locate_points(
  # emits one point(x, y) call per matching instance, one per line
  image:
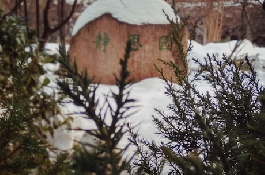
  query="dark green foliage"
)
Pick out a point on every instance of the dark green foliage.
point(148, 159)
point(212, 133)
point(22, 145)
point(208, 132)
point(105, 156)
point(218, 132)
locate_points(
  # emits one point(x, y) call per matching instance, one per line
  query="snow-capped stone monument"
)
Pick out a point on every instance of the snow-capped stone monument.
point(102, 30)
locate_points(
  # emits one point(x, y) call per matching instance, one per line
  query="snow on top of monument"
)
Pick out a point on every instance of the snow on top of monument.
point(129, 11)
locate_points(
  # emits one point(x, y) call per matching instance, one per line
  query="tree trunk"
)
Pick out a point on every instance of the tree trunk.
point(61, 17)
point(44, 38)
point(1, 7)
point(37, 19)
point(16, 7)
point(48, 30)
point(26, 14)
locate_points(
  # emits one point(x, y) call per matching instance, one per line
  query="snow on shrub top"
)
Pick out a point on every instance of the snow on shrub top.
point(135, 12)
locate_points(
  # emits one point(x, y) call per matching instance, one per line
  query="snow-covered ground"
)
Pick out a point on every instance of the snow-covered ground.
point(149, 93)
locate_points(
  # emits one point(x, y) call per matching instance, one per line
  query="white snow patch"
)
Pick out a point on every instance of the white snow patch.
point(150, 94)
point(71, 2)
point(255, 54)
point(84, 2)
point(215, 4)
point(129, 11)
point(53, 48)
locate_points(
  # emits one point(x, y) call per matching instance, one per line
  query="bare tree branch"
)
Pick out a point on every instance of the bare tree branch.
point(48, 30)
point(67, 19)
point(45, 15)
point(14, 9)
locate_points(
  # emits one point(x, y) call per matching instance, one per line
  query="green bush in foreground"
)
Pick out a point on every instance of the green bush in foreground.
point(218, 132)
point(104, 156)
point(23, 146)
